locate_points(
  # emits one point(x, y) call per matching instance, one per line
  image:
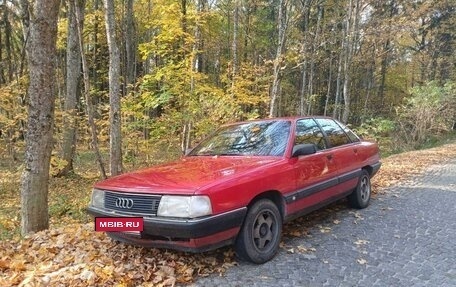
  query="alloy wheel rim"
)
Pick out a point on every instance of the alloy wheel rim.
point(365, 189)
point(264, 230)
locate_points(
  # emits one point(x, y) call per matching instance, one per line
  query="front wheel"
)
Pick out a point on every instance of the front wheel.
point(259, 238)
point(360, 197)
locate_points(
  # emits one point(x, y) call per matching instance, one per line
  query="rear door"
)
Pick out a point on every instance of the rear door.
point(345, 151)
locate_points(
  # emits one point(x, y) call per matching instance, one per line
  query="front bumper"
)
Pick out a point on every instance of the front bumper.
point(183, 234)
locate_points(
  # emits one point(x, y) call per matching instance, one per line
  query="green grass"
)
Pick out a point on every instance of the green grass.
point(438, 141)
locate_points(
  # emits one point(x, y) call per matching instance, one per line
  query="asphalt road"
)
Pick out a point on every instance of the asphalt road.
point(406, 237)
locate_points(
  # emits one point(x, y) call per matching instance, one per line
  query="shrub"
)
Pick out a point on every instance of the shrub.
point(429, 112)
point(381, 130)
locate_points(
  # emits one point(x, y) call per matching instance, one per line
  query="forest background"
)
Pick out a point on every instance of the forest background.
point(137, 82)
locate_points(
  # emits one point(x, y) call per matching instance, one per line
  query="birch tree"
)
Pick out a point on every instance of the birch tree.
point(89, 105)
point(130, 46)
point(282, 24)
point(234, 45)
point(351, 24)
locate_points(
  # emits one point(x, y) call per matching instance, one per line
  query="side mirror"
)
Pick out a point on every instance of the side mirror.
point(304, 149)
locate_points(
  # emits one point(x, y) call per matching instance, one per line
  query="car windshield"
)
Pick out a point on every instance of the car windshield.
point(268, 138)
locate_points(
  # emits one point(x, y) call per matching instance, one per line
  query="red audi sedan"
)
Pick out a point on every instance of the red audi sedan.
point(239, 186)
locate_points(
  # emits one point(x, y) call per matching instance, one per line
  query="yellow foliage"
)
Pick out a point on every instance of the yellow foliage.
point(13, 117)
point(62, 33)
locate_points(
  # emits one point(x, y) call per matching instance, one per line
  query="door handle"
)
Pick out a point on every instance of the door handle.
point(329, 156)
point(355, 150)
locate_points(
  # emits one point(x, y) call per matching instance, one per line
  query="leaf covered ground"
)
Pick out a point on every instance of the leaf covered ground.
point(71, 253)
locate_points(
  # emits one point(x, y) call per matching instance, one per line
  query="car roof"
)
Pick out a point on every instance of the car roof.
point(291, 118)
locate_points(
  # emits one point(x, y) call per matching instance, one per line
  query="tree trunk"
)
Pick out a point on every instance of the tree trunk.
point(350, 41)
point(234, 45)
point(383, 71)
point(130, 46)
point(199, 41)
point(41, 56)
point(315, 45)
point(328, 91)
point(370, 82)
point(303, 101)
point(302, 92)
point(336, 110)
point(346, 51)
point(196, 67)
point(73, 77)
point(89, 105)
point(248, 8)
point(282, 22)
point(148, 63)
point(2, 76)
point(197, 62)
point(96, 64)
point(25, 19)
point(386, 52)
point(8, 39)
point(115, 142)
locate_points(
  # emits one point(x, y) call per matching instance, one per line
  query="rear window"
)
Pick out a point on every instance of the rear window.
point(336, 136)
point(353, 137)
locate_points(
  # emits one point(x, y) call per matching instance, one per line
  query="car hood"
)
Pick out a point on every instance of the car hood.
point(186, 175)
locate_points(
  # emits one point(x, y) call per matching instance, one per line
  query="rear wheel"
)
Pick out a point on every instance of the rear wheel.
point(360, 197)
point(260, 235)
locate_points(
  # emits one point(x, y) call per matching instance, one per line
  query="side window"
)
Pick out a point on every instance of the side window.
point(336, 135)
point(308, 132)
point(354, 138)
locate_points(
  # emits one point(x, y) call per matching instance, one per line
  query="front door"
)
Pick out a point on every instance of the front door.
point(316, 174)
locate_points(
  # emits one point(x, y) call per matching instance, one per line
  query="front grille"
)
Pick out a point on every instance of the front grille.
point(137, 203)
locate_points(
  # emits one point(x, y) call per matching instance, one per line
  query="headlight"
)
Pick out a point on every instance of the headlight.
point(98, 198)
point(184, 206)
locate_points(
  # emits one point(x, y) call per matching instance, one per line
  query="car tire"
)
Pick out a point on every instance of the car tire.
point(360, 197)
point(259, 238)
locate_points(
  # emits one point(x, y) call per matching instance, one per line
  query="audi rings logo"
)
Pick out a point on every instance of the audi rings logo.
point(126, 203)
